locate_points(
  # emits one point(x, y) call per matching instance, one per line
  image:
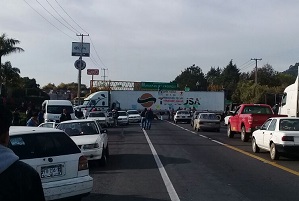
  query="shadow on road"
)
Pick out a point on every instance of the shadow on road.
point(107, 197)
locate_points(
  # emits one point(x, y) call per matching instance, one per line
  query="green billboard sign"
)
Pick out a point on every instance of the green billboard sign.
point(159, 86)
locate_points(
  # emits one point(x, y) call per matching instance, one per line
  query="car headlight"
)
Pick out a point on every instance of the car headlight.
point(91, 146)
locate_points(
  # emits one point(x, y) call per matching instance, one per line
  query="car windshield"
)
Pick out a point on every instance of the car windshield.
point(57, 109)
point(79, 128)
point(96, 114)
point(289, 125)
point(133, 112)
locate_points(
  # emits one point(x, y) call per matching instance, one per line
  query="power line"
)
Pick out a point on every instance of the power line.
point(62, 17)
point(96, 52)
point(48, 20)
point(246, 66)
point(70, 17)
point(54, 16)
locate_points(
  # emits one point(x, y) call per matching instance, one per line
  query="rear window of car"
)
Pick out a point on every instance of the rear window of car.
point(39, 145)
point(257, 109)
point(122, 113)
point(133, 112)
point(79, 128)
point(98, 114)
point(209, 116)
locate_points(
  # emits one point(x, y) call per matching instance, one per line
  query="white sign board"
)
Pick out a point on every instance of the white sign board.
point(76, 49)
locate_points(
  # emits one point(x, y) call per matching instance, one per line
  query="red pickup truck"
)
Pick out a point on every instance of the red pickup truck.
point(246, 117)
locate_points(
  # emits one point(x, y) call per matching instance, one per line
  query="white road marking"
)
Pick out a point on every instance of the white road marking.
point(170, 189)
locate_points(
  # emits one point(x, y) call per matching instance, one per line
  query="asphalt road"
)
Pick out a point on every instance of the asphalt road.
point(194, 166)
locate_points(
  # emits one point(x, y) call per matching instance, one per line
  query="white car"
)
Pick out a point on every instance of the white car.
point(182, 116)
point(101, 116)
point(89, 136)
point(62, 167)
point(48, 125)
point(123, 117)
point(279, 135)
point(134, 116)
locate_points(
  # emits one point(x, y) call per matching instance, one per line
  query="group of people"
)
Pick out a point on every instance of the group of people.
point(147, 116)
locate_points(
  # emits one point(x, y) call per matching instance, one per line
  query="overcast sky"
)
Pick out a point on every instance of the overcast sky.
point(149, 40)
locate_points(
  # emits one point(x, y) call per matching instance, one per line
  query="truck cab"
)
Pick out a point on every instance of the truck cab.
point(289, 101)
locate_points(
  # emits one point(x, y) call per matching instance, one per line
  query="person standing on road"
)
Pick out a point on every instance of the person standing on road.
point(19, 181)
point(149, 116)
point(115, 117)
point(33, 121)
point(143, 119)
point(65, 116)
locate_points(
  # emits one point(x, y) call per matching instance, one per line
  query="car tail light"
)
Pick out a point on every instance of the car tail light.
point(250, 119)
point(287, 138)
point(83, 163)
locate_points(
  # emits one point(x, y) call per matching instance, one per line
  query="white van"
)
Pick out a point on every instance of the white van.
point(53, 109)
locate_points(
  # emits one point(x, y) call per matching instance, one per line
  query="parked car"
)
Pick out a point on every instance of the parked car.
point(207, 121)
point(182, 116)
point(123, 117)
point(278, 135)
point(134, 116)
point(194, 116)
point(48, 125)
point(89, 136)
point(62, 167)
point(101, 116)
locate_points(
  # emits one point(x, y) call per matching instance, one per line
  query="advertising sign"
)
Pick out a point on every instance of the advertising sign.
point(159, 86)
point(76, 49)
point(92, 71)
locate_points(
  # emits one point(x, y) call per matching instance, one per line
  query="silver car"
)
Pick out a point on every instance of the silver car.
point(207, 121)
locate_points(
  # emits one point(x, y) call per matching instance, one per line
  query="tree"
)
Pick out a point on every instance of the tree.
point(8, 46)
point(230, 78)
point(192, 77)
point(10, 75)
point(266, 75)
point(213, 79)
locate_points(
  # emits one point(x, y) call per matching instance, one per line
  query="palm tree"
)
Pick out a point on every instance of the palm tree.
point(10, 75)
point(7, 46)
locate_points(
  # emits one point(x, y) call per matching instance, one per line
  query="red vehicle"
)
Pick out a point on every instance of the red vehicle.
point(247, 117)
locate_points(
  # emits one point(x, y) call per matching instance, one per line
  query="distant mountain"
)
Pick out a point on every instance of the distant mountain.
point(293, 70)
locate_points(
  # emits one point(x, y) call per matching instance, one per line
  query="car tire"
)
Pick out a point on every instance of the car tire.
point(244, 135)
point(255, 148)
point(230, 133)
point(273, 152)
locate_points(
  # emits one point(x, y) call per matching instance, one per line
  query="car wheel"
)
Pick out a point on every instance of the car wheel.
point(273, 152)
point(103, 160)
point(244, 135)
point(230, 134)
point(255, 148)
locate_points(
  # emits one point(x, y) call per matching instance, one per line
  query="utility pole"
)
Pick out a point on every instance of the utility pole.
point(79, 69)
point(255, 80)
point(104, 76)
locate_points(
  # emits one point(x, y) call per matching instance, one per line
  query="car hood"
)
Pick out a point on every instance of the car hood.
point(134, 115)
point(85, 139)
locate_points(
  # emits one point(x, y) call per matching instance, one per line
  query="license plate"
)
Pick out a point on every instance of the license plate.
point(51, 171)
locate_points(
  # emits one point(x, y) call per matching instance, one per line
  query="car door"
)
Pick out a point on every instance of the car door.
point(234, 120)
point(259, 134)
point(269, 133)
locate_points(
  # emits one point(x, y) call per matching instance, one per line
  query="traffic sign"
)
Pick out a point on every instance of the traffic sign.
point(80, 64)
point(76, 49)
point(92, 71)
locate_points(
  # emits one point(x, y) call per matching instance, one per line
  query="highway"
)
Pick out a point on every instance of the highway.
point(172, 162)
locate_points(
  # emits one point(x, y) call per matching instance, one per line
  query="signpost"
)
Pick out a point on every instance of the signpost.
point(92, 72)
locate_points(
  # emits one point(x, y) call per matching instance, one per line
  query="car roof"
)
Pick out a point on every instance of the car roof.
point(16, 130)
point(77, 120)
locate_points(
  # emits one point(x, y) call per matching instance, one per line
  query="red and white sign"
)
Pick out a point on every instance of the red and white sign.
point(92, 71)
